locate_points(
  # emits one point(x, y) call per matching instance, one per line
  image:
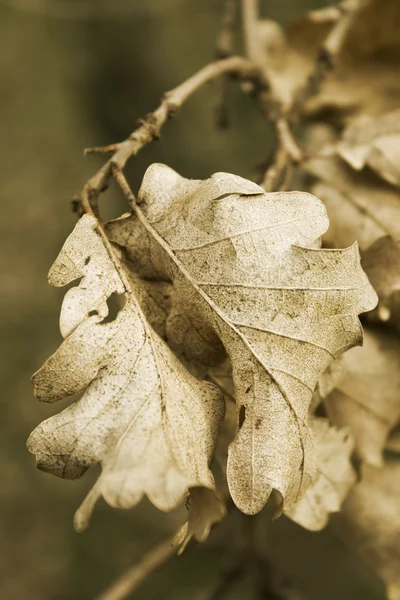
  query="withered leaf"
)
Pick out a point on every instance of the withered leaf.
point(381, 262)
point(367, 399)
point(365, 208)
point(370, 523)
point(247, 273)
point(335, 477)
point(328, 381)
point(360, 206)
point(205, 508)
point(374, 141)
point(151, 425)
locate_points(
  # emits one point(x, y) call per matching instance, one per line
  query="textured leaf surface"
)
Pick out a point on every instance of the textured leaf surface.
point(367, 399)
point(335, 477)
point(150, 424)
point(247, 273)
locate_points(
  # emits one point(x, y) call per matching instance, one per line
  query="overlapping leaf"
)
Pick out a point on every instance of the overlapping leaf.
point(363, 207)
point(360, 206)
point(151, 425)
point(374, 141)
point(367, 400)
point(382, 264)
point(204, 509)
point(247, 272)
point(334, 479)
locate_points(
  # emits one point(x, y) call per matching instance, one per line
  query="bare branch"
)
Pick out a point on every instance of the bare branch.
point(134, 576)
point(275, 171)
point(150, 127)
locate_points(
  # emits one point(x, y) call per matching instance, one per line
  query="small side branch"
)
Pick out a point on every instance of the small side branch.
point(131, 580)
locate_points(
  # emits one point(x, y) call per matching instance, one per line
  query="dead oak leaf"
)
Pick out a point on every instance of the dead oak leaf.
point(381, 262)
point(205, 508)
point(328, 381)
point(367, 400)
point(363, 207)
point(360, 207)
point(246, 271)
point(335, 477)
point(151, 425)
point(373, 141)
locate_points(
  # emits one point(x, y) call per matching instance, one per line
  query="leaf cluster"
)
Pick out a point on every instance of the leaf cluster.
point(228, 372)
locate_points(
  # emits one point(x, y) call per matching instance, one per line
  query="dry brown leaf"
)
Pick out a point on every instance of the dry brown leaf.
point(370, 523)
point(368, 398)
point(335, 477)
point(243, 274)
point(381, 262)
point(374, 141)
point(360, 206)
point(151, 425)
point(328, 381)
point(205, 508)
point(365, 75)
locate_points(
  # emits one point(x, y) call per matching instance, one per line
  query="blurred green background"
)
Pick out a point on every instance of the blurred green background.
point(72, 78)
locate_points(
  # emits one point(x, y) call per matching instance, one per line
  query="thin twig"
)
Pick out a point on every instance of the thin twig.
point(327, 56)
point(287, 153)
point(288, 147)
point(150, 127)
point(134, 576)
point(275, 171)
point(223, 49)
